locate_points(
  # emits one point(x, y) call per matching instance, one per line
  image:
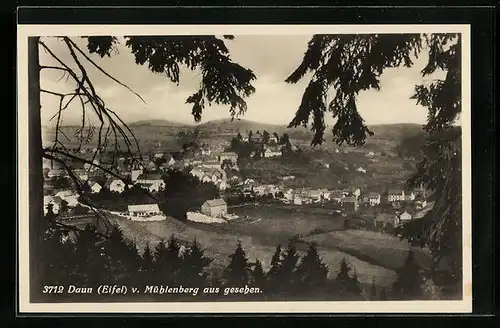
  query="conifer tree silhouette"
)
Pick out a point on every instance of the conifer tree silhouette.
point(237, 273)
point(311, 271)
point(408, 284)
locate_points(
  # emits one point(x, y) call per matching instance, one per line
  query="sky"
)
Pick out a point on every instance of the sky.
point(272, 59)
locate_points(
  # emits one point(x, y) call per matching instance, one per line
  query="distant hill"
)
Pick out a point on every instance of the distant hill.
point(158, 123)
point(164, 131)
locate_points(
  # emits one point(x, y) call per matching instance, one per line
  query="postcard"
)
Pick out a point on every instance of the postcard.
point(244, 169)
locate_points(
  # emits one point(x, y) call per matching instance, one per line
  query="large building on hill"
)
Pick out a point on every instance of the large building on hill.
point(231, 156)
point(214, 208)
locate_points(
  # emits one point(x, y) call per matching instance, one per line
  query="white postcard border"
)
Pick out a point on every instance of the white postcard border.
point(24, 31)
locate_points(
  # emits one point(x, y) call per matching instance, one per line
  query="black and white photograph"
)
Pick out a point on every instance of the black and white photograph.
point(244, 168)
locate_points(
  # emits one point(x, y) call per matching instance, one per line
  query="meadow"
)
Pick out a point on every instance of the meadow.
point(260, 238)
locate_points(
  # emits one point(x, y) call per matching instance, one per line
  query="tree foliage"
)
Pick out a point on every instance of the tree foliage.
point(345, 65)
point(237, 273)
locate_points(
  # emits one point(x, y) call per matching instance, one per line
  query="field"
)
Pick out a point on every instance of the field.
point(373, 255)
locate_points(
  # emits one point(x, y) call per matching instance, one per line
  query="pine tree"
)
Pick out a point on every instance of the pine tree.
point(258, 276)
point(345, 282)
point(408, 284)
point(122, 258)
point(192, 270)
point(265, 137)
point(312, 271)
point(237, 273)
point(274, 271)
point(287, 279)
point(147, 263)
point(90, 259)
point(167, 261)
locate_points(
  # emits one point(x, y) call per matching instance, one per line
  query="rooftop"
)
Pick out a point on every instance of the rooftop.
point(143, 208)
point(216, 202)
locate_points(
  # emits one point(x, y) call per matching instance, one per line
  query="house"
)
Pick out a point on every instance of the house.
point(385, 220)
point(272, 152)
point(95, 187)
point(315, 194)
point(288, 177)
point(297, 200)
point(356, 193)
point(149, 165)
point(360, 169)
point(349, 203)
point(403, 217)
point(214, 208)
point(420, 192)
point(337, 195)
point(260, 190)
point(55, 173)
point(153, 182)
point(395, 195)
point(231, 156)
point(55, 201)
point(115, 185)
point(158, 155)
point(326, 194)
point(409, 196)
point(424, 211)
point(222, 185)
point(134, 174)
point(374, 198)
point(143, 210)
point(206, 151)
point(69, 196)
point(211, 164)
point(273, 139)
point(257, 137)
point(420, 204)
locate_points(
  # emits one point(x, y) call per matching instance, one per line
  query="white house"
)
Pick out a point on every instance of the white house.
point(152, 182)
point(396, 195)
point(211, 164)
point(55, 173)
point(134, 174)
point(272, 152)
point(273, 139)
point(374, 198)
point(143, 210)
point(222, 185)
point(410, 196)
point(231, 156)
point(357, 192)
point(117, 185)
point(370, 154)
point(361, 170)
point(69, 196)
point(403, 217)
point(297, 200)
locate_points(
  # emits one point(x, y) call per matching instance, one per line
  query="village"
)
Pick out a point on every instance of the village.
point(218, 164)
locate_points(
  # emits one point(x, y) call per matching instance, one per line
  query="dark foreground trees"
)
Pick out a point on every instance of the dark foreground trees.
point(341, 66)
point(295, 273)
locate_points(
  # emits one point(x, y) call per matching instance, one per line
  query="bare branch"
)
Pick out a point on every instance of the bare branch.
point(102, 70)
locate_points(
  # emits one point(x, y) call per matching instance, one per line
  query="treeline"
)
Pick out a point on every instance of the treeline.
point(88, 260)
point(183, 193)
point(255, 143)
point(115, 201)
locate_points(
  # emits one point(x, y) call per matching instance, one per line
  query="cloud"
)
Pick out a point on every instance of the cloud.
point(272, 58)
